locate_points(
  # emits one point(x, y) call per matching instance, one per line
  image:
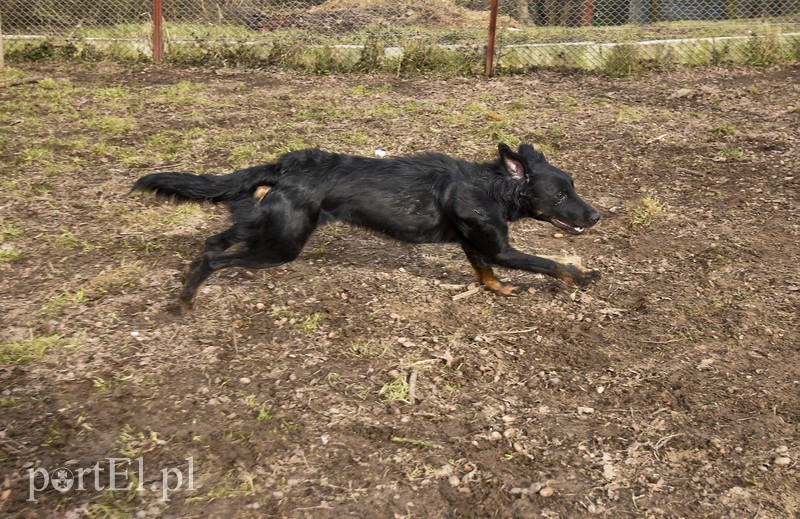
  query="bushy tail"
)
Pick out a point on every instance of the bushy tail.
point(214, 188)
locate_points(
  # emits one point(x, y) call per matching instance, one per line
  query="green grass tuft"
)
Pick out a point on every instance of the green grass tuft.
point(26, 350)
point(647, 211)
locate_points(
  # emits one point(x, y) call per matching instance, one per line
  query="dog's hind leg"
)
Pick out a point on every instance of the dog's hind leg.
point(222, 240)
point(485, 274)
point(275, 237)
point(257, 255)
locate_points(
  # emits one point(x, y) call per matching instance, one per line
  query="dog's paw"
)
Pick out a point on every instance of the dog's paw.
point(186, 299)
point(577, 276)
point(588, 276)
point(507, 290)
point(175, 309)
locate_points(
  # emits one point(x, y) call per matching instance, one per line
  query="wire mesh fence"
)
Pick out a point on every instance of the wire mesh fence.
point(620, 36)
point(614, 36)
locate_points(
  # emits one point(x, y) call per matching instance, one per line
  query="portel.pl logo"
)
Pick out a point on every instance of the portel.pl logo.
point(115, 474)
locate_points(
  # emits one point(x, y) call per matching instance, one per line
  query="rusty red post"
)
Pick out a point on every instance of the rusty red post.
point(158, 32)
point(492, 34)
point(588, 13)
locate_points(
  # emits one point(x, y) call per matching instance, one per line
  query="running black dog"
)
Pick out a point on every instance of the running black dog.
point(428, 198)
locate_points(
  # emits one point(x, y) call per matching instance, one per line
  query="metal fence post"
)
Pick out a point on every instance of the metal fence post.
point(492, 34)
point(588, 13)
point(158, 32)
point(2, 56)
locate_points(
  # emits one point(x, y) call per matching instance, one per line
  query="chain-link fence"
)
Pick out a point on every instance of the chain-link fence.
point(613, 36)
point(620, 36)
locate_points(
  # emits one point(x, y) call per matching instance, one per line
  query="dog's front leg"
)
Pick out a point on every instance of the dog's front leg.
point(486, 243)
point(485, 274)
point(577, 276)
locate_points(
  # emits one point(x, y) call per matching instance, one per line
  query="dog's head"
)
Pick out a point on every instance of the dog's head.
point(545, 192)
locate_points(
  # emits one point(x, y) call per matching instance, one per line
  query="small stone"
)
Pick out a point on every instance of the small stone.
point(517, 491)
point(244, 380)
point(496, 436)
point(454, 481)
point(277, 494)
point(585, 410)
point(705, 364)
point(558, 235)
point(546, 491)
point(782, 461)
point(782, 449)
point(600, 390)
point(682, 92)
point(260, 306)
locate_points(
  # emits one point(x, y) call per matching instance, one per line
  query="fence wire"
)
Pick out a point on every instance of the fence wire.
point(619, 36)
point(615, 36)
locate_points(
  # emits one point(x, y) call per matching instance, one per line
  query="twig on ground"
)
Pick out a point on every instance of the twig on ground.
point(23, 81)
point(412, 386)
point(512, 332)
point(468, 293)
point(654, 139)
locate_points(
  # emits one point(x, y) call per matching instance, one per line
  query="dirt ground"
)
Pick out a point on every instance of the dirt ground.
point(669, 389)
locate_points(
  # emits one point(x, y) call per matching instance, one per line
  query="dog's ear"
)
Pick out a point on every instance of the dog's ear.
point(530, 153)
point(514, 162)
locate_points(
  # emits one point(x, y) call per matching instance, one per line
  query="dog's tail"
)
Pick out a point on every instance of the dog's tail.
point(213, 188)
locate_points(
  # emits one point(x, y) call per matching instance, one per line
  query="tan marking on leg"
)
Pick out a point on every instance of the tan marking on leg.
point(576, 276)
point(566, 277)
point(487, 278)
point(261, 192)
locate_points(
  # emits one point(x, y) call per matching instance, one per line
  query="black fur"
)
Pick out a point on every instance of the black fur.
point(428, 198)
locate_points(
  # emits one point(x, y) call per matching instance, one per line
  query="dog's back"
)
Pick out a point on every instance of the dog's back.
point(404, 197)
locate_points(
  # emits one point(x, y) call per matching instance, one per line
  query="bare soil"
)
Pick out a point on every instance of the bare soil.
point(669, 389)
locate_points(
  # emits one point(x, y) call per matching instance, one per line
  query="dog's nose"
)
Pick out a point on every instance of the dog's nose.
point(594, 218)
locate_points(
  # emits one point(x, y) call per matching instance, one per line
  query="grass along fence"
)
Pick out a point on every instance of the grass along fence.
point(422, 55)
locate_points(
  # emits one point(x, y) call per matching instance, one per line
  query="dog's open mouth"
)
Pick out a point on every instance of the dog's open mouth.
point(561, 224)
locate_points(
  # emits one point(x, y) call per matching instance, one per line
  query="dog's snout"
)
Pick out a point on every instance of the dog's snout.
point(594, 217)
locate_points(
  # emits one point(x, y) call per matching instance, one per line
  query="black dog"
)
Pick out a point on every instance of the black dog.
point(429, 198)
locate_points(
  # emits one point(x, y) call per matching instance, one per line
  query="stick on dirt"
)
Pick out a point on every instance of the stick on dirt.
point(412, 386)
point(18, 82)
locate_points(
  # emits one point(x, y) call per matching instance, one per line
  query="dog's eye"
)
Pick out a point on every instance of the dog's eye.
point(560, 197)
